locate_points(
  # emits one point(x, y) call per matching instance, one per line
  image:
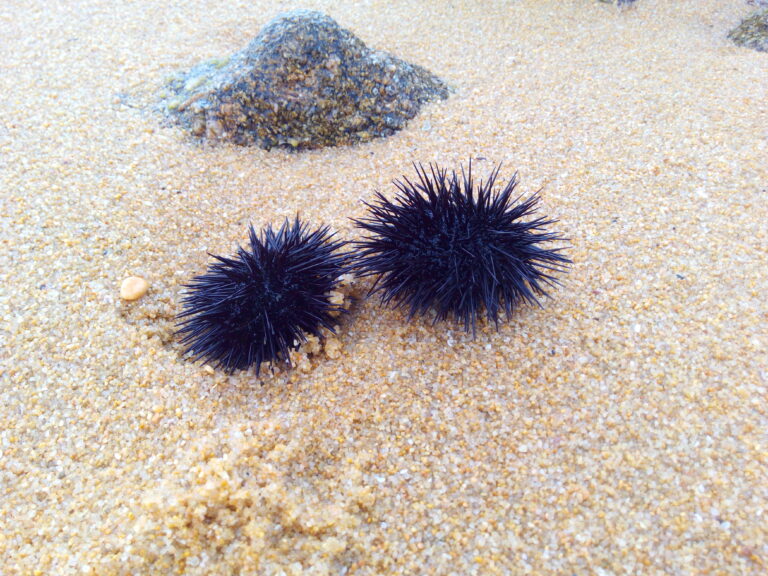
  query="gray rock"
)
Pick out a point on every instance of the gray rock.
point(303, 82)
point(752, 32)
point(617, 2)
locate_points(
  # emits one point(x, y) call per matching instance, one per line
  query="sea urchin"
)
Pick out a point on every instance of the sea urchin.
point(448, 244)
point(256, 306)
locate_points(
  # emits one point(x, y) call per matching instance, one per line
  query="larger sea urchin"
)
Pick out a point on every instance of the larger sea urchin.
point(449, 244)
point(256, 306)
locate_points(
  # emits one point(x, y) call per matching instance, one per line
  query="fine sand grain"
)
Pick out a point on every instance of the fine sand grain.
point(622, 429)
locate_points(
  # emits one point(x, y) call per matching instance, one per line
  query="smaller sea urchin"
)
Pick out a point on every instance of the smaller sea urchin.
point(256, 306)
point(448, 244)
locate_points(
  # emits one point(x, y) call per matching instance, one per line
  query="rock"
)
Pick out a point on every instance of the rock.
point(303, 82)
point(752, 32)
point(617, 2)
point(133, 288)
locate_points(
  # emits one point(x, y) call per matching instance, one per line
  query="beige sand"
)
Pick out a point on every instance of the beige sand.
point(621, 430)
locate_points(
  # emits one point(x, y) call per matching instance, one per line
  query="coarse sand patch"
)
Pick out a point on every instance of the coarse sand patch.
point(621, 429)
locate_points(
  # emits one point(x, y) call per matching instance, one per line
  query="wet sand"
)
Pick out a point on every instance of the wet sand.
point(619, 430)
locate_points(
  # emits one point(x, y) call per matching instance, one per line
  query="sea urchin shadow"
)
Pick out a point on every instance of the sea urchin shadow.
point(256, 306)
point(450, 244)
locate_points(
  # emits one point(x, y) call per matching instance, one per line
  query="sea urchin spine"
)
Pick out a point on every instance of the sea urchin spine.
point(446, 243)
point(256, 306)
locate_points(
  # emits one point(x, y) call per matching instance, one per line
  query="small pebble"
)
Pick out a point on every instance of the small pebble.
point(133, 288)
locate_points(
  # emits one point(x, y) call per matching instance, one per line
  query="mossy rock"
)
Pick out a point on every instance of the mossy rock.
point(752, 32)
point(303, 82)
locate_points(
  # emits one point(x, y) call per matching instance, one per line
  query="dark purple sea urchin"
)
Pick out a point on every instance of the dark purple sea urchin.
point(256, 306)
point(449, 244)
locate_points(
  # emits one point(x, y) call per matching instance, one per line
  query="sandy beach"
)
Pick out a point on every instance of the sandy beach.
point(621, 429)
